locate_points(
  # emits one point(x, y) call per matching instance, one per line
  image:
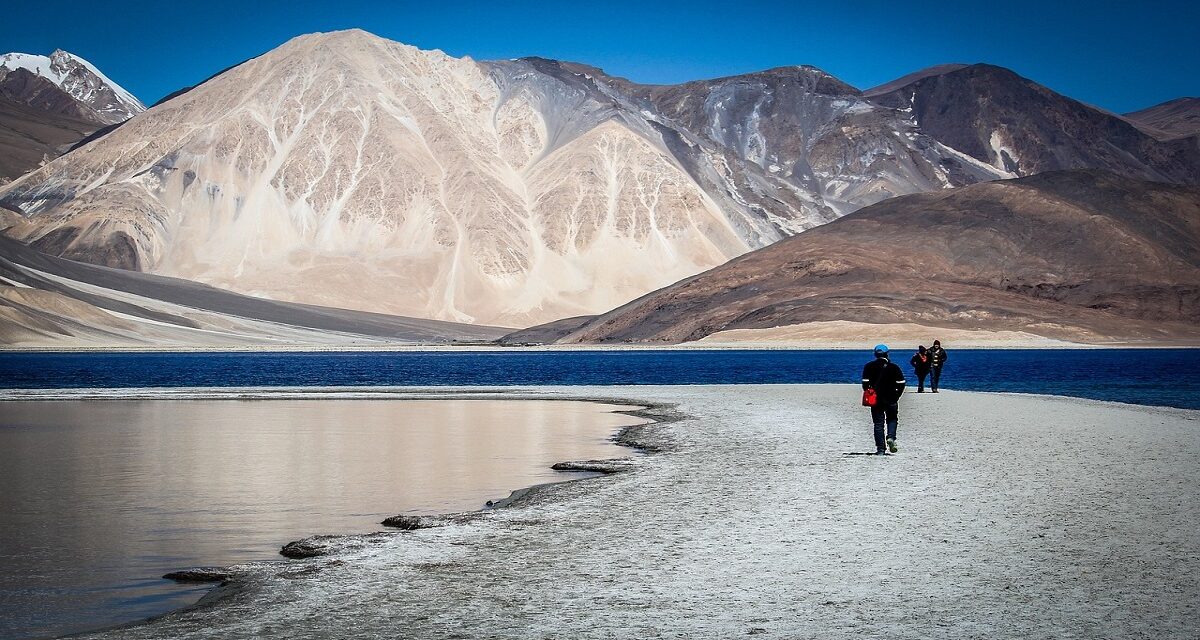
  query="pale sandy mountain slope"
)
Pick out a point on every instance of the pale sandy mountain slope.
point(51, 302)
point(351, 171)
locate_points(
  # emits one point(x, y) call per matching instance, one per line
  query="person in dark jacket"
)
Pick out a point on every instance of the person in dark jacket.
point(920, 365)
point(937, 359)
point(887, 380)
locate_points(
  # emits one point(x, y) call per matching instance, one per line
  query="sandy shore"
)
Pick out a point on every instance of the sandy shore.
point(842, 334)
point(1002, 516)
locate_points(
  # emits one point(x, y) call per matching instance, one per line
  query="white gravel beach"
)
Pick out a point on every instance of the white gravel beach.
point(1001, 516)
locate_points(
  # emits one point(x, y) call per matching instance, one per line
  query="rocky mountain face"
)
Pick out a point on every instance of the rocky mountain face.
point(1076, 255)
point(83, 91)
point(346, 170)
point(50, 103)
point(791, 139)
point(1178, 118)
point(26, 88)
point(1015, 125)
point(30, 136)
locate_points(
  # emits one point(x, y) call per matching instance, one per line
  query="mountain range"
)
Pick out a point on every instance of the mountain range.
point(1075, 255)
point(348, 171)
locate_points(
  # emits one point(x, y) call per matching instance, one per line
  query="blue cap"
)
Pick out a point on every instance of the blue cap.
point(880, 348)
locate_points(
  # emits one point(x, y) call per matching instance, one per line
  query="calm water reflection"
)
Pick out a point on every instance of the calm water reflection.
point(100, 498)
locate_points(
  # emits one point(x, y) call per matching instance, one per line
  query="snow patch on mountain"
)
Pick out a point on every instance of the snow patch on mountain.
point(35, 64)
point(1004, 158)
point(80, 79)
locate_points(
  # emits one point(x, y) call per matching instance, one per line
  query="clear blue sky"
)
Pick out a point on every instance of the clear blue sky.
point(1114, 55)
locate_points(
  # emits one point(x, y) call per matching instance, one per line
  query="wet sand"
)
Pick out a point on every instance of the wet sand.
point(1002, 516)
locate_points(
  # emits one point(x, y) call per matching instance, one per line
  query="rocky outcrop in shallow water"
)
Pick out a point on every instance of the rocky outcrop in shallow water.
point(200, 574)
point(616, 465)
point(316, 546)
point(412, 522)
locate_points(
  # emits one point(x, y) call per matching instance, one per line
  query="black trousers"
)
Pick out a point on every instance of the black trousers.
point(935, 374)
point(878, 413)
point(921, 375)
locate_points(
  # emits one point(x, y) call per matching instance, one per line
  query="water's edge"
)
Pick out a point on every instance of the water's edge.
point(645, 438)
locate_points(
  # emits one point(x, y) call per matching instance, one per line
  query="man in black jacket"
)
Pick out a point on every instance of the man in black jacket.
point(887, 380)
point(920, 365)
point(937, 358)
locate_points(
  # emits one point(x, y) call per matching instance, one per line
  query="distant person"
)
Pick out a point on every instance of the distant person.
point(937, 359)
point(887, 381)
point(920, 365)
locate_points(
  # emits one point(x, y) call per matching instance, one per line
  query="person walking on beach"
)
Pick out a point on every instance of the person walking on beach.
point(937, 359)
point(920, 365)
point(887, 381)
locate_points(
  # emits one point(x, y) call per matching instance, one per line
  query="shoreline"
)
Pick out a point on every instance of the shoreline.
point(274, 349)
point(650, 436)
point(453, 392)
point(635, 437)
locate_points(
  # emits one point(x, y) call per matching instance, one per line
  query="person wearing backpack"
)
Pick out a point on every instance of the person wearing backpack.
point(883, 384)
point(920, 365)
point(937, 359)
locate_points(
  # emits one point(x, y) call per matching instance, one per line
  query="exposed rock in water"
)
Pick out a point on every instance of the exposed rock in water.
point(307, 548)
point(412, 523)
point(615, 465)
point(315, 546)
point(200, 574)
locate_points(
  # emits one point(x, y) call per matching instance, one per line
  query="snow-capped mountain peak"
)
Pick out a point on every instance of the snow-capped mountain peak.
point(80, 79)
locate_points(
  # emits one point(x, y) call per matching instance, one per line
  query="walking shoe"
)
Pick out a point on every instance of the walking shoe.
point(935, 390)
point(920, 391)
point(891, 443)
point(881, 452)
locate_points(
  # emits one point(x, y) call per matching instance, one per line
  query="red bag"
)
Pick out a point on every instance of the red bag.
point(869, 399)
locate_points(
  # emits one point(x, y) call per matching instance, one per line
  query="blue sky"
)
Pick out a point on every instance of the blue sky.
point(1119, 57)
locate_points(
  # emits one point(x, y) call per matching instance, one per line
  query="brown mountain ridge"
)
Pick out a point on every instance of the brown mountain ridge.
point(1076, 255)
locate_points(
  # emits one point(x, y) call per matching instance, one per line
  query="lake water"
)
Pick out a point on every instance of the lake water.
point(99, 499)
point(1139, 376)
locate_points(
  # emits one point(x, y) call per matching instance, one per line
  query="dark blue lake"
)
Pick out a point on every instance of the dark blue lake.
point(1140, 376)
